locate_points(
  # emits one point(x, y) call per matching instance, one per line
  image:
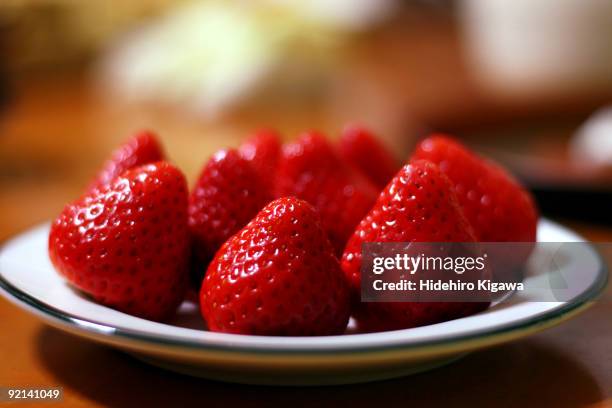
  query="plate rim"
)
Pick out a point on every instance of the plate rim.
point(102, 331)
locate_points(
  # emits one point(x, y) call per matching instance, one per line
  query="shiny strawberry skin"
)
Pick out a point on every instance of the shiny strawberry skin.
point(311, 170)
point(226, 196)
point(497, 206)
point(277, 276)
point(418, 205)
point(361, 149)
point(262, 150)
point(127, 244)
point(142, 148)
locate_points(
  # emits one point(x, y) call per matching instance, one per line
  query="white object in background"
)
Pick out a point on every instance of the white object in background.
point(209, 56)
point(592, 144)
point(543, 46)
point(204, 55)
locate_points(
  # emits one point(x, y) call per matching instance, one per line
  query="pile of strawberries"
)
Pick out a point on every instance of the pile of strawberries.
point(271, 234)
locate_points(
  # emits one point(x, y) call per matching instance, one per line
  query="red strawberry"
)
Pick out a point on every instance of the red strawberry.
point(142, 148)
point(360, 148)
point(499, 209)
point(418, 205)
point(127, 244)
point(277, 276)
point(262, 151)
point(227, 195)
point(311, 170)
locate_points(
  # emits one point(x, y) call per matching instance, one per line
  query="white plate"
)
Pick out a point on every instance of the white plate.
point(28, 279)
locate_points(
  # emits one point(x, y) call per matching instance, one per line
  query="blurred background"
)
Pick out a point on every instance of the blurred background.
point(526, 82)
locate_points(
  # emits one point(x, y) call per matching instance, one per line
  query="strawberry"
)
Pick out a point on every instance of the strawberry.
point(360, 148)
point(262, 150)
point(227, 195)
point(277, 276)
point(499, 209)
point(418, 205)
point(127, 243)
point(311, 170)
point(142, 148)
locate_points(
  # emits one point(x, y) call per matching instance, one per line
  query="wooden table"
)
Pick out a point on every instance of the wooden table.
point(52, 138)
